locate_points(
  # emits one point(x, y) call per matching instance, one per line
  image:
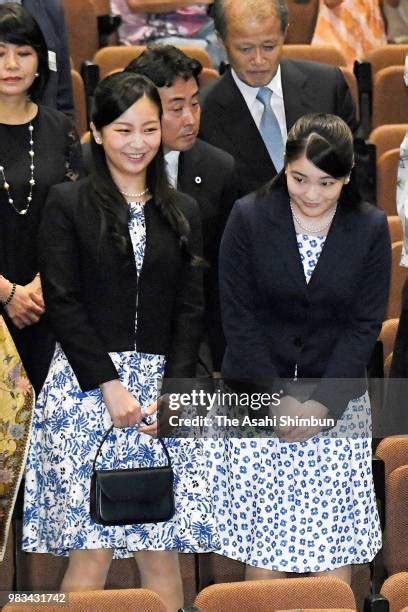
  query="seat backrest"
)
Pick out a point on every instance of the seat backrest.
point(102, 7)
point(390, 96)
point(395, 589)
point(118, 57)
point(82, 28)
point(386, 137)
point(79, 102)
point(352, 83)
point(387, 55)
point(302, 21)
point(387, 170)
point(398, 277)
point(395, 227)
point(326, 54)
point(395, 545)
point(387, 337)
point(207, 75)
point(280, 594)
point(125, 600)
point(394, 452)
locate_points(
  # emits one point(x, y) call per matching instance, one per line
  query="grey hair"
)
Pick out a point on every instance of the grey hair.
point(221, 22)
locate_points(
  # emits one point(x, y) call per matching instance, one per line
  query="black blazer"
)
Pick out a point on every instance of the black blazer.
point(226, 122)
point(49, 14)
point(91, 288)
point(208, 175)
point(273, 319)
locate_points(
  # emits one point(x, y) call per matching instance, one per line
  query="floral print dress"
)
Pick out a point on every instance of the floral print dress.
point(67, 428)
point(298, 507)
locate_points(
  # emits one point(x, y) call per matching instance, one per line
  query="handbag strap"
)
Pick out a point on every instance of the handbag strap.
point(164, 447)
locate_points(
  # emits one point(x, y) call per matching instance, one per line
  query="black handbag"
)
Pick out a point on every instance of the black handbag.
point(131, 496)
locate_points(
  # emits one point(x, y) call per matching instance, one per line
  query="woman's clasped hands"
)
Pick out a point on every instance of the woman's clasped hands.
point(27, 304)
point(288, 414)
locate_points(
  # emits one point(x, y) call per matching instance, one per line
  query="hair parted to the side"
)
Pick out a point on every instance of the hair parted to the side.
point(18, 27)
point(163, 64)
point(220, 8)
point(327, 142)
point(113, 96)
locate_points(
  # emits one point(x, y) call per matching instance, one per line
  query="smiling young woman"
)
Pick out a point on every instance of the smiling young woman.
point(123, 287)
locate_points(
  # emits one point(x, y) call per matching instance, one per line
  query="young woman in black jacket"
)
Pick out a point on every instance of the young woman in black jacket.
point(120, 260)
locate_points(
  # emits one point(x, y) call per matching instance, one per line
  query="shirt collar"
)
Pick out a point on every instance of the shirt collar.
point(249, 93)
point(172, 159)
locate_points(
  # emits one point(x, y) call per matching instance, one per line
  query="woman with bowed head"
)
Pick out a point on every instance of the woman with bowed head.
point(38, 148)
point(304, 276)
point(120, 256)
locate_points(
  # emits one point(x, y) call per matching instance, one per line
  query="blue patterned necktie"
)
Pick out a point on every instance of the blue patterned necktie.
point(270, 130)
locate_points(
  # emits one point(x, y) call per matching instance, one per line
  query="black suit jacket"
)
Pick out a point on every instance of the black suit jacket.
point(49, 14)
point(274, 320)
point(208, 175)
point(91, 287)
point(227, 123)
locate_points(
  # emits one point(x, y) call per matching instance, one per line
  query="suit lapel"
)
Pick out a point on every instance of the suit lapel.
point(236, 122)
point(337, 247)
point(282, 237)
point(298, 98)
point(189, 177)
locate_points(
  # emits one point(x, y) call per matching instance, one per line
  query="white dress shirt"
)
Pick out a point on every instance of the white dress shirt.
point(256, 107)
point(172, 161)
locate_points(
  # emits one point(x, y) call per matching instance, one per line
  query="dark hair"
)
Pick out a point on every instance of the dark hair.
point(327, 142)
point(18, 27)
point(220, 16)
point(163, 64)
point(113, 96)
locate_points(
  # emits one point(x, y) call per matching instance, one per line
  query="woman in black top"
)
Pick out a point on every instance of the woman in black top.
point(38, 148)
point(123, 289)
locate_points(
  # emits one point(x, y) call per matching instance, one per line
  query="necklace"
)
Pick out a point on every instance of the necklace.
point(314, 230)
point(135, 195)
point(31, 181)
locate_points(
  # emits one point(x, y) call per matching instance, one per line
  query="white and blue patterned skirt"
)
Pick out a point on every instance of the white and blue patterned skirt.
point(297, 507)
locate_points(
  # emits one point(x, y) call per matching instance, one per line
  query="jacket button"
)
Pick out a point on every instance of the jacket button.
point(297, 341)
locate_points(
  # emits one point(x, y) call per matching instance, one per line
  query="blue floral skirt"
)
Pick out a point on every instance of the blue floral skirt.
point(68, 425)
point(298, 507)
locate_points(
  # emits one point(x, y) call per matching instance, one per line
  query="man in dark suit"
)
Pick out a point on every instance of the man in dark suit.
point(232, 115)
point(49, 14)
point(195, 167)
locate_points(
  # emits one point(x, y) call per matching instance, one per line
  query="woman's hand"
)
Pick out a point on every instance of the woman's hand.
point(123, 408)
point(35, 286)
point(288, 407)
point(27, 305)
point(152, 428)
point(310, 409)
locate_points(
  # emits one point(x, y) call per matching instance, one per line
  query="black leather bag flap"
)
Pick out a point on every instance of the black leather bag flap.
point(140, 485)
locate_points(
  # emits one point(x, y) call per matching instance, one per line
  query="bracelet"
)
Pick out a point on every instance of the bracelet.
point(10, 297)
